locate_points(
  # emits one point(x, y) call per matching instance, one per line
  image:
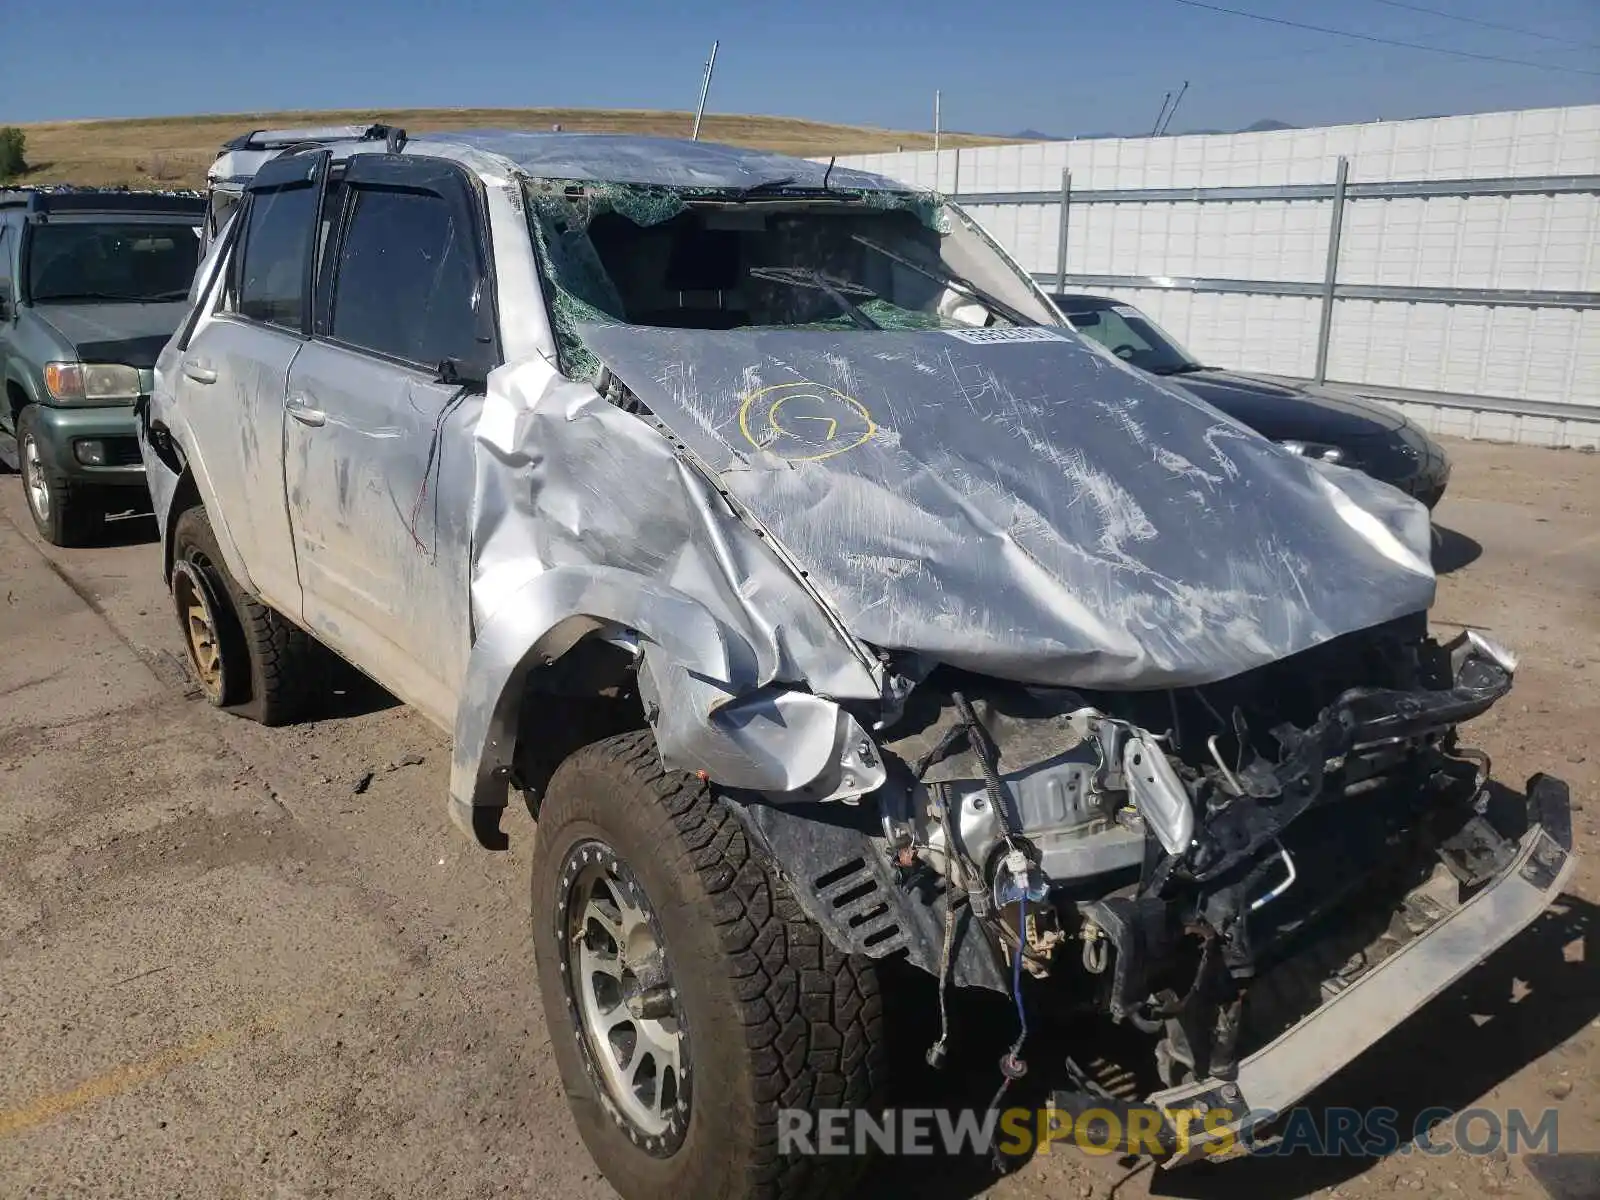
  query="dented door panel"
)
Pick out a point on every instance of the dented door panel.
point(379, 477)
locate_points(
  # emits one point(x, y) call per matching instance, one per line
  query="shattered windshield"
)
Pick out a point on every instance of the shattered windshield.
point(685, 259)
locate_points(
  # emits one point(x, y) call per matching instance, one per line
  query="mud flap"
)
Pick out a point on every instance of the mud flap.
point(1286, 1070)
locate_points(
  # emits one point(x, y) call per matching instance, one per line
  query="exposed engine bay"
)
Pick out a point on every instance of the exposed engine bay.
point(1157, 852)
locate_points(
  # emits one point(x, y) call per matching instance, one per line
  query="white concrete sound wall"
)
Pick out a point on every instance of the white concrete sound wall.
point(1480, 360)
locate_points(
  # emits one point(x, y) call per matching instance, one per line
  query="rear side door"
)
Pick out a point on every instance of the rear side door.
point(379, 458)
point(234, 372)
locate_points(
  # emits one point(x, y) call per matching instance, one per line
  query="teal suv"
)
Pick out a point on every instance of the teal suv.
point(92, 284)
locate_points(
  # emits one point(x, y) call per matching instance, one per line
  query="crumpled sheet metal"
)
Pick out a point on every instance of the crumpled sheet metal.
point(1018, 504)
point(669, 162)
point(586, 519)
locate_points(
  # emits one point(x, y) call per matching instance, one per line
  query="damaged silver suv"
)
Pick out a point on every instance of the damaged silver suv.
point(829, 600)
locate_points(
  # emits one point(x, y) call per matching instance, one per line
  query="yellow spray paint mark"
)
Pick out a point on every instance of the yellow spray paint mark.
point(821, 421)
point(122, 1079)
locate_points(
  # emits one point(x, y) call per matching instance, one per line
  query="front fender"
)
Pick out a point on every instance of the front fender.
point(770, 740)
point(533, 626)
point(23, 383)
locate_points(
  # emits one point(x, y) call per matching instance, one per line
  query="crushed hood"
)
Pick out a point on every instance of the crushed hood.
point(1015, 503)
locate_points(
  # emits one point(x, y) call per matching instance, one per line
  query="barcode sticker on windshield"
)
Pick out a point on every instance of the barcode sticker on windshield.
point(1025, 333)
point(1122, 310)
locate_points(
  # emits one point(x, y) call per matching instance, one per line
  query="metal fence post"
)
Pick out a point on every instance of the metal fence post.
point(1061, 245)
point(1330, 277)
point(955, 184)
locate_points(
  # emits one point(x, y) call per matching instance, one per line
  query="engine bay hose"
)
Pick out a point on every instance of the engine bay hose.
point(984, 749)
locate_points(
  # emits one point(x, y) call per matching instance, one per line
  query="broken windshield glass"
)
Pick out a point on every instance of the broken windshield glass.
point(685, 258)
point(943, 274)
point(838, 290)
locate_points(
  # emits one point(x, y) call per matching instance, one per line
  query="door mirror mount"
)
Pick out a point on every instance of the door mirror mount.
point(465, 373)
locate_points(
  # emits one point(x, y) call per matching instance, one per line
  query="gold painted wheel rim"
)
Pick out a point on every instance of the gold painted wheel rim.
point(200, 632)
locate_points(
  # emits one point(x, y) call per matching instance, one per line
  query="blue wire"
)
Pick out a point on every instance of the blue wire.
point(1016, 966)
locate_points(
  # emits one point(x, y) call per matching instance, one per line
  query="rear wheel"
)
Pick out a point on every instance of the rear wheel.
point(245, 655)
point(688, 997)
point(65, 512)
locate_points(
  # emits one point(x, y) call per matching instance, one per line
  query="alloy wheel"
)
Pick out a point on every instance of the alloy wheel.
point(619, 983)
point(33, 478)
point(200, 632)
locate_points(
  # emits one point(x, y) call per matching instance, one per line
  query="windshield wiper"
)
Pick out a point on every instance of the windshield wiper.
point(1181, 369)
point(838, 290)
point(766, 185)
point(940, 273)
point(90, 296)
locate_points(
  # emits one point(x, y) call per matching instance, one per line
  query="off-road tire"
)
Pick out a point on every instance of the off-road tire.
point(268, 660)
point(77, 512)
point(776, 1017)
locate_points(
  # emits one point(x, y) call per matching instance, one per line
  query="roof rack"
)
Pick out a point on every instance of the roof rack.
point(64, 198)
point(278, 139)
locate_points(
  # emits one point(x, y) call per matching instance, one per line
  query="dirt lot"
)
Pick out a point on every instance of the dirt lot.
point(175, 151)
point(247, 962)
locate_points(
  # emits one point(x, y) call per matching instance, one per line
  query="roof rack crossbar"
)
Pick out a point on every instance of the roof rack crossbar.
point(277, 139)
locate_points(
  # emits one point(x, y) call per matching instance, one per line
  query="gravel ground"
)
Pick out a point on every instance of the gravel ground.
point(247, 962)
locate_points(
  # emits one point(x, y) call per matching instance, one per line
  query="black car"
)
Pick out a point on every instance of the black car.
point(1332, 426)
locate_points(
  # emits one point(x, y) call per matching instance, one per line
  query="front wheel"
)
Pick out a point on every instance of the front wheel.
point(65, 513)
point(689, 999)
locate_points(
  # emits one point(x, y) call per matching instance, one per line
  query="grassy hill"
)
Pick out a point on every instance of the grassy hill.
point(175, 151)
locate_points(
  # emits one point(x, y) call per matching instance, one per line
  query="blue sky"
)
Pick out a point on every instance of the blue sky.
point(1061, 66)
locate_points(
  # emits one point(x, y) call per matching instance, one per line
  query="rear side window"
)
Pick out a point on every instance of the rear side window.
point(277, 243)
point(407, 278)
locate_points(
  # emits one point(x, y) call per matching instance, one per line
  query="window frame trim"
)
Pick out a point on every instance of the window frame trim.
point(443, 178)
point(317, 182)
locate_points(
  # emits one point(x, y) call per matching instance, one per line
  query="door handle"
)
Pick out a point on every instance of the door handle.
point(301, 411)
point(199, 372)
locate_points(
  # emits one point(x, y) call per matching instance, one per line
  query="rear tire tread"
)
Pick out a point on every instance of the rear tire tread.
point(281, 654)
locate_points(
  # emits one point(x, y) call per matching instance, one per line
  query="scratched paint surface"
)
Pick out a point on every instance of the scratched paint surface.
point(1030, 509)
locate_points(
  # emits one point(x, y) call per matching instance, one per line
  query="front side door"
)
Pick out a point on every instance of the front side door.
point(234, 372)
point(378, 452)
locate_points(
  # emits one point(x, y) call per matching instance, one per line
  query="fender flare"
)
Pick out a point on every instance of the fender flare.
point(29, 391)
point(535, 624)
point(188, 487)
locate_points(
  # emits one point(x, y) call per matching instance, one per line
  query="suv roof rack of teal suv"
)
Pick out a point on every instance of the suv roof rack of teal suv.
point(40, 202)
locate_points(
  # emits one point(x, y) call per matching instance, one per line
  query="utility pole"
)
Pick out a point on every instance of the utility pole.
point(1167, 124)
point(936, 121)
point(1156, 128)
point(705, 89)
